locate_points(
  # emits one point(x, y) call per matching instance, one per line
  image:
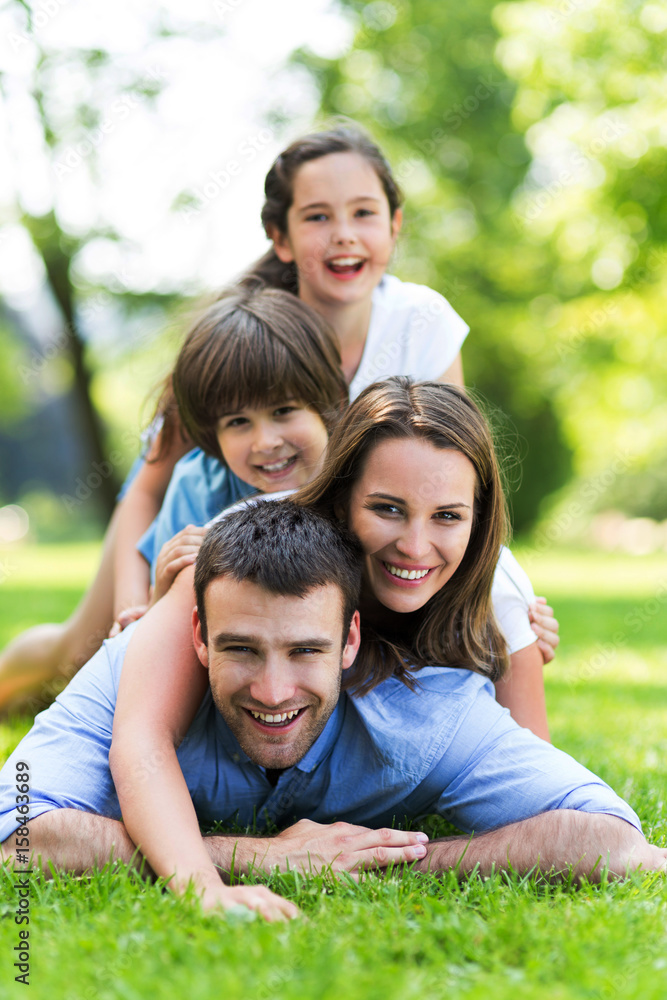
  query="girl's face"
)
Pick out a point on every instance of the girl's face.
point(339, 230)
point(278, 447)
point(412, 511)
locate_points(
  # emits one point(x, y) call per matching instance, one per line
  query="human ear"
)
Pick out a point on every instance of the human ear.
point(351, 647)
point(200, 646)
point(396, 223)
point(339, 512)
point(281, 245)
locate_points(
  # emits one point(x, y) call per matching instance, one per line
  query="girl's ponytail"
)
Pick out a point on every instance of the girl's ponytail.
point(270, 272)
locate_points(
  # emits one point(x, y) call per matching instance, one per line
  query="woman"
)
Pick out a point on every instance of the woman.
point(412, 470)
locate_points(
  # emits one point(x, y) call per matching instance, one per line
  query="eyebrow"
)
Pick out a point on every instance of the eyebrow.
point(440, 506)
point(236, 639)
point(325, 204)
point(268, 406)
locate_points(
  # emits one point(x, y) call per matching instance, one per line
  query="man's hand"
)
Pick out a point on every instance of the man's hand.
point(545, 627)
point(309, 847)
point(179, 552)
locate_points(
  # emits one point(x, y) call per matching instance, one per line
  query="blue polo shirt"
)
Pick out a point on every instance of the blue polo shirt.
point(446, 748)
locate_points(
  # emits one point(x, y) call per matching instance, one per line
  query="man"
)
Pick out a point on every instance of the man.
point(277, 627)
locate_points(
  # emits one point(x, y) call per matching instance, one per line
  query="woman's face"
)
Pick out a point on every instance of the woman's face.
point(412, 511)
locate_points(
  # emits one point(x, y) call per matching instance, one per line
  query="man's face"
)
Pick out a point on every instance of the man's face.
point(275, 665)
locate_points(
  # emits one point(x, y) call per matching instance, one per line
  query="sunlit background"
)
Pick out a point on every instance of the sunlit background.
point(530, 139)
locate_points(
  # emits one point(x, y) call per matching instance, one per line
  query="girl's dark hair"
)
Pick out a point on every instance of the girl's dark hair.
point(279, 193)
point(456, 628)
point(255, 349)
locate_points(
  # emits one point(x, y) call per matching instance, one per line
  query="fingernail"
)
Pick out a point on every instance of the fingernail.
point(419, 850)
point(422, 838)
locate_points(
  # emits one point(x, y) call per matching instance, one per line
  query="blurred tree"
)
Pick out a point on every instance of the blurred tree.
point(528, 139)
point(64, 101)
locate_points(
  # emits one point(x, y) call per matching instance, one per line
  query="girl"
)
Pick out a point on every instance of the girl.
point(411, 469)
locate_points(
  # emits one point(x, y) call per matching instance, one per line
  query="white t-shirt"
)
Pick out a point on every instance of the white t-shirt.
point(413, 331)
point(511, 592)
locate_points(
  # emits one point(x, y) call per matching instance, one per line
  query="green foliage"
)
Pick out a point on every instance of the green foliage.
point(530, 142)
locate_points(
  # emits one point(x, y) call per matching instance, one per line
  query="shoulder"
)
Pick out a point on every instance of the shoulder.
point(200, 487)
point(511, 594)
point(510, 579)
point(420, 312)
point(197, 465)
point(392, 293)
point(410, 730)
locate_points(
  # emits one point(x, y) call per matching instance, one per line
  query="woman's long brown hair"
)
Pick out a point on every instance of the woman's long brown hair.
point(456, 628)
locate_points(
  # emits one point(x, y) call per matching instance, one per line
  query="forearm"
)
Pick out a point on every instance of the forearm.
point(158, 812)
point(561, 841)
point(136, 513)
point(75, 841)
point(138, 510)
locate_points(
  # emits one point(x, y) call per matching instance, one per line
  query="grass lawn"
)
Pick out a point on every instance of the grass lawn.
point(401, 937)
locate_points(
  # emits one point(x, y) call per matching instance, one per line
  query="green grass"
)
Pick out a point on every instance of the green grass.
point(112, 936)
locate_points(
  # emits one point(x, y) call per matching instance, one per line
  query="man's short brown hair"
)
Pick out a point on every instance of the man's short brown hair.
point(285, 549)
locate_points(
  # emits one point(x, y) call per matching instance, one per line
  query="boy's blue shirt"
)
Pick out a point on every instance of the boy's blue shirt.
point(200, 487)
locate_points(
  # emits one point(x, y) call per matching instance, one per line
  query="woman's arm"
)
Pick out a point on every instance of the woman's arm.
point(161, 687)
point(522, 691)
point(137, 511)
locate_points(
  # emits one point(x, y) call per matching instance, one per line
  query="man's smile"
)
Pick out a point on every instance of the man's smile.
point(283, 721)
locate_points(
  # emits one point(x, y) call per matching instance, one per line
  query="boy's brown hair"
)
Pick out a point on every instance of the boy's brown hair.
point(256, 348)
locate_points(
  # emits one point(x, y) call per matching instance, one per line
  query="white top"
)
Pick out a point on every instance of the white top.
point(511, 592)
point(413, 331)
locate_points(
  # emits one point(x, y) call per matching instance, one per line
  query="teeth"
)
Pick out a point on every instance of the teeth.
point(345, 261)
point(277, 466)
point(406, 574)
point(285, 717)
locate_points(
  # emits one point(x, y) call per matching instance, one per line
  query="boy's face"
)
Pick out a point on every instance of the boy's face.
point(275, 664)
point(279, 447)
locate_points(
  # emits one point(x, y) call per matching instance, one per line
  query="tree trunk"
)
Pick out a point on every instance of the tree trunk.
point(48, 239)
